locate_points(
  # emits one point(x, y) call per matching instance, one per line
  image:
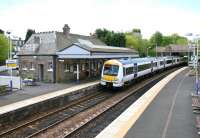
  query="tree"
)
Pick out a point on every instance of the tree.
point(136, 43)
point(179, 40)
point(111, 38)
point(4, 48)
point(1, 31)
point(156, 39)
point(28, 34)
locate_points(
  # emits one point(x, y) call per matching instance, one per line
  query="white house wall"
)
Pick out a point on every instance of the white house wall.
point(74, 50)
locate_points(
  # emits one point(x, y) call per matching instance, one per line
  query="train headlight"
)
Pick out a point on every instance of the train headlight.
point(116, 79)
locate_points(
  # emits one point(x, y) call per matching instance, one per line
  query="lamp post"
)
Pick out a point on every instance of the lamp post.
point(10, 58)
point(197, 58)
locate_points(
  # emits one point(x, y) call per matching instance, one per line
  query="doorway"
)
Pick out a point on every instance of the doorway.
point(41, 72)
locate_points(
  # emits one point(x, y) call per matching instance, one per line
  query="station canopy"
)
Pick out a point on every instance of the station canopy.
point(86, 49)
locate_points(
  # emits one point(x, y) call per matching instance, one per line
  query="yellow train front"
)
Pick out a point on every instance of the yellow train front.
point(112, 74)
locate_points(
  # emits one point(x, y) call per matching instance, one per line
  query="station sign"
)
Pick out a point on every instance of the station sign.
point(11, 63)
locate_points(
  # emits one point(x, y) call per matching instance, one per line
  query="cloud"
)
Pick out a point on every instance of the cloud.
point(85, 16)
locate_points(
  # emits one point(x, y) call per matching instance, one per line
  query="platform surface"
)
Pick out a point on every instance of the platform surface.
point(170, 114)
point(37, 94)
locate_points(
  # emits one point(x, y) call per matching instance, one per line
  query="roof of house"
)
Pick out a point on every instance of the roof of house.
point(48, 43)
point(103, 48)
point(174, 48)
point(86, 49)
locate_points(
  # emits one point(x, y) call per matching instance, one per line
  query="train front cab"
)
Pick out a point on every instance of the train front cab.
point(112, 74)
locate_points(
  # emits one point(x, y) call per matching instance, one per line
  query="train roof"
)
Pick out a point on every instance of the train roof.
point(142, 60)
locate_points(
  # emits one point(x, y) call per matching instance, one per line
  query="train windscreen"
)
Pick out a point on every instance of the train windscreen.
point(111, 70)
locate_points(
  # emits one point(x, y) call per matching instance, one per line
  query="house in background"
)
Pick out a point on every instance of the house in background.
point(63, 56)
point(17, 44)
point(174, 50)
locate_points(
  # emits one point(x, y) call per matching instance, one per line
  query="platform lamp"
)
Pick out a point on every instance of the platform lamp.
point(10, 57)
point(197, 61)
point(196, 51)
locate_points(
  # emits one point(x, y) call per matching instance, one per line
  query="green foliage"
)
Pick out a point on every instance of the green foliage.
point(136, 30)
point(111, 38)
point(134, 40)
point(137, 43)
point(160, 40)
point(1, 31)
point(156, 39)
point(4, 48)
point(28, 34)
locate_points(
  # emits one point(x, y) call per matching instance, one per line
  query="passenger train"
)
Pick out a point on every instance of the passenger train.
point(118, 72)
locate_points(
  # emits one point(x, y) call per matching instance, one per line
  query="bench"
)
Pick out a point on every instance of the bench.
point(4, 89)
point(29, 82)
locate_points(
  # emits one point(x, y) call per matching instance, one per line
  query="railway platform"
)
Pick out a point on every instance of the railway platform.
point(35, 94)
point(166, 114)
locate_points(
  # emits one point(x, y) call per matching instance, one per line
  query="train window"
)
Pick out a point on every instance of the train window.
point(155, 64)
point(161, 63)
point(129, 70)
point(111, 70)
point(144, 67)
point(169, 61)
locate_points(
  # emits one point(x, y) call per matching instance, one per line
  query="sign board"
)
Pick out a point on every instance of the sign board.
point(11, 63)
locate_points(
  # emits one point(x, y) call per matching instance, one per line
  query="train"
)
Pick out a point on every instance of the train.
point(117, 73)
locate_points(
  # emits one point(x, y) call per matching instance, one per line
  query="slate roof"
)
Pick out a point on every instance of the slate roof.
point(48, 43)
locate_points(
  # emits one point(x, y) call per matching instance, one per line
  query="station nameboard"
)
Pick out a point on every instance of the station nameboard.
point(11, 63)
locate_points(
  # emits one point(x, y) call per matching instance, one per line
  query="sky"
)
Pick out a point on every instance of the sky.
point(84, 16)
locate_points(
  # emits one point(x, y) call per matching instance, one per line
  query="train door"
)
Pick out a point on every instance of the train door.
point(164, 63)
point(135, 70)
point(152, 66)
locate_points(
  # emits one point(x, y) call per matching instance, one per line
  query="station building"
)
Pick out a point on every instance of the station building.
point(63, 56)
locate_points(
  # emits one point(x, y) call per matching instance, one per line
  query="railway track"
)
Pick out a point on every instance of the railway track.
point(40, 124)
point(70, 127)
point(67, 121)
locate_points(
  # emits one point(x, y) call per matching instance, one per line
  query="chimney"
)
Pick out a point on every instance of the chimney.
point(66, 29)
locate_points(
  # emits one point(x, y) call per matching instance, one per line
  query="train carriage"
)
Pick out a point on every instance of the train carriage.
point(117, 72)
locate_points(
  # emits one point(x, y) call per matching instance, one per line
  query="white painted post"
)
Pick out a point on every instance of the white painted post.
point(77, 76)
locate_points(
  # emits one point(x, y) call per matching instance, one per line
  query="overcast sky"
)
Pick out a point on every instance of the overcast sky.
point(84, 16)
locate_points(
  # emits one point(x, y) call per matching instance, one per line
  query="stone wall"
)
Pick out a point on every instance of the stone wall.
point(29, 67)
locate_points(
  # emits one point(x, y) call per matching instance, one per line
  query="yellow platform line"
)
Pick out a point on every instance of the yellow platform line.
point(120, 126)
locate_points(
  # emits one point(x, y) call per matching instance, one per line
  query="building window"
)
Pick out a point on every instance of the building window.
point(24, 67)
point(83, 67)
point(75, 68)
point(66, 67)
point(50, 66)
point(71, 68)
point(32, 66)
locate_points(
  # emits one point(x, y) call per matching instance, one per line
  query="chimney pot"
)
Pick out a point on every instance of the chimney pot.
point(66, 29)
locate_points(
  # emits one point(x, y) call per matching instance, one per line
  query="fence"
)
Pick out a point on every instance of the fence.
point(3, 68)
point(5, 80)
